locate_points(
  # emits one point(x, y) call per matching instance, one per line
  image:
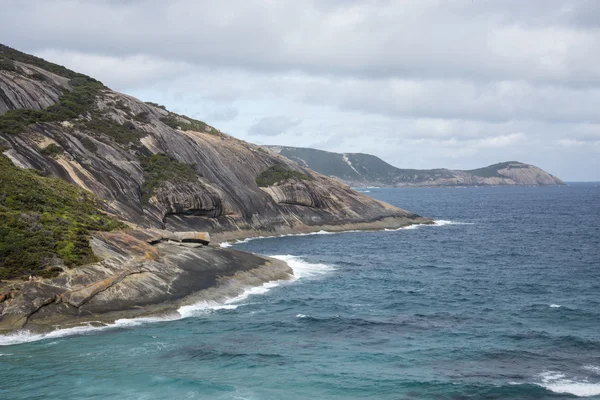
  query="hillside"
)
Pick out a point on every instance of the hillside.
point(94, 162)
point(359, 169)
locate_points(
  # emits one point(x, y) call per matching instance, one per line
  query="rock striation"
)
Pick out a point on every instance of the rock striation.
point(156, 171)
point(134, 279)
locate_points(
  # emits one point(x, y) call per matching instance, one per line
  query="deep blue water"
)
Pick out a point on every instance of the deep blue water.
point(501, 303)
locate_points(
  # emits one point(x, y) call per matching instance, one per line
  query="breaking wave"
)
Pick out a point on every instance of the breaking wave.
point(440, 222)
point(559, 383)
point(302, 269)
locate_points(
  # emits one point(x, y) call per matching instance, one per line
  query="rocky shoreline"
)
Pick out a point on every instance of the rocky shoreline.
point(152, 170)
point(136, 279)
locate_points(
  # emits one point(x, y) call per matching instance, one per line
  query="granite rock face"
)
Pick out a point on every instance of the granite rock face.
point(31, 88)
point(207, 182)
point(134, 279)
point(223, 197)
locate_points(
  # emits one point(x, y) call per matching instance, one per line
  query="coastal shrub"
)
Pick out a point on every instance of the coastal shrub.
point(51, 150)
point(7, 65)
point(121, 133)
point(160, 168)
point(278, 173)
point(122, 106)
point(44, 220)
point(50, 272)
point(491, 171)
point(15, 55)
point(38, 77)
point(156, 105)
point(70, 105)
point(171, 121)
point(88, 144)
point(184, 123)
point(143, 116)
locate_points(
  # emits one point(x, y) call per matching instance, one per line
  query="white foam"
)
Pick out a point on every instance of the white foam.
point(26, 336)
point(443, 222)
point(229, 244)
point(593, 368)
point(302, 269)
point(555, 306)
point(297, 316)
point(557, 382)
point(405, 228)
point(440, 222)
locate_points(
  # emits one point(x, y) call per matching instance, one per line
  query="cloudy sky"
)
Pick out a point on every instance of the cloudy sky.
point(420, 83)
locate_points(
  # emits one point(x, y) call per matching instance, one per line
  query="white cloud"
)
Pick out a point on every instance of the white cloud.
point(422, 83)
point(272, 126)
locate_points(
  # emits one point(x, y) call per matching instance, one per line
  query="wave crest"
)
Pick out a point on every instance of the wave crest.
point(557, 382)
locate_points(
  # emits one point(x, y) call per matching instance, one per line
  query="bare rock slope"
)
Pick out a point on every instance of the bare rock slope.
point(154, 169)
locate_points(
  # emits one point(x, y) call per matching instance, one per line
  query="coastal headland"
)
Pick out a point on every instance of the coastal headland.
point(92, 176)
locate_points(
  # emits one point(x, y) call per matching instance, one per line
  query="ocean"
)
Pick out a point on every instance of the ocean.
point(500, 299)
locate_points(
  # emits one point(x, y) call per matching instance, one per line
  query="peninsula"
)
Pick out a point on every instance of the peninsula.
point(94, 184)
point(359, 170)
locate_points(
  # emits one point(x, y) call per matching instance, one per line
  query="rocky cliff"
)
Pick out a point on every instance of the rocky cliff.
point(359, 169)
point(150, 169)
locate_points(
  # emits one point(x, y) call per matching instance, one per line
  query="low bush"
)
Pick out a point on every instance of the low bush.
point(159, 168)
point(156, 105)
point(70, 105)
point(278, 173)
point(44, 220)
point(88, 144)
point(144, 117)
point(15, 55)
point(7, 65)
point(121, 133)
point(52, 150)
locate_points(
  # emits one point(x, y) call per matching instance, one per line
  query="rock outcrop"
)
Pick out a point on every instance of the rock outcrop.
point(358, 169)
point(156, 170)
point(134, 279)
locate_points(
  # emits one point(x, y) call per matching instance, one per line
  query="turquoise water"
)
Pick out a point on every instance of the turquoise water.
point(500, 299)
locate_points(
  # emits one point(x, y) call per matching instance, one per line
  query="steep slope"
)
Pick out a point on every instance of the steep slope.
point(153, 169)
point(359, 169)
point(114, 139)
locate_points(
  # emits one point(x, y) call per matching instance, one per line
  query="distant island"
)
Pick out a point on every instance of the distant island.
point(360, 170)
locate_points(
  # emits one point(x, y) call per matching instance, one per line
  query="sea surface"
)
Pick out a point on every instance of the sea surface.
point(500, 299)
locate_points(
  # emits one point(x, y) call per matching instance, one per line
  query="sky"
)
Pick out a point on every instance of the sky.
point(454, 84)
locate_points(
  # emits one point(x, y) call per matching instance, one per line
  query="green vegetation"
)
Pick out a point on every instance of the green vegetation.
point(184, 123)
point(52, 150)
point(160, 168)
point(122, 106)
point(156, 105)
point(15, 55)
point(45, 219)
point(88, 144)
point(492, 170)
point(7, 65)
point(122, 134)
point(278, 173)
point(70, 105)
point(171, 121)
point(37, 76)
point(143, 117)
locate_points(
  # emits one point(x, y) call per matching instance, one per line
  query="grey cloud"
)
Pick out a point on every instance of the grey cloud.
point(223, 114)
point(422, 83)
point(420, 39)
point(272, 126)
